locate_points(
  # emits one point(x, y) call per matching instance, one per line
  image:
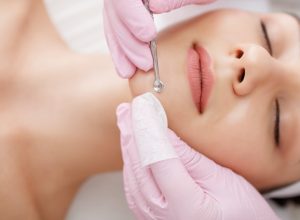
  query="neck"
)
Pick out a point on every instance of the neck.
point(39, 31)
point(36, 39)
point(62, 116)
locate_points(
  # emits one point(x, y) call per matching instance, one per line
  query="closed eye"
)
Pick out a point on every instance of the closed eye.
point(266, 36)
point(277, 106)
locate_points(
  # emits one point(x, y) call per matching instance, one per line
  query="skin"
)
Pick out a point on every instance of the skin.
point(58, 125)
point(236, 128)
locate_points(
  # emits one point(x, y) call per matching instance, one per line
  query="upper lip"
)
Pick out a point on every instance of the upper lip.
point(200, 75)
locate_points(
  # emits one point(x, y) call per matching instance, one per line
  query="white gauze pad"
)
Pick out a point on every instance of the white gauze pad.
point(150, 128)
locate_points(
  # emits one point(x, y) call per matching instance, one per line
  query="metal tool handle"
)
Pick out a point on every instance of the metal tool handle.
point(158, 84)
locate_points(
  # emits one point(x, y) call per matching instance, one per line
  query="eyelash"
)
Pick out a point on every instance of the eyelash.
point(277, 106)
point(265, 32)
point(277, 123)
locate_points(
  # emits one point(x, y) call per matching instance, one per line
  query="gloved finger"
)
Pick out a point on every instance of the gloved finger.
point(138, 52)
point(137, 19)
point(198, 165)
point(129, 188)
point(180, 190)
point(143, 177)
point(149, 124)
point(130, 200)
point(205, 172)
point(144, 180)
point(171, 178)
point(123, 112)
point(175, 182)
point(124, 67)
point(159, 6)
point(135, 200)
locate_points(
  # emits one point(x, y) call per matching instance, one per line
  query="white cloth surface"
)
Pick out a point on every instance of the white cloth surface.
point(284, 192)
point(80, 25)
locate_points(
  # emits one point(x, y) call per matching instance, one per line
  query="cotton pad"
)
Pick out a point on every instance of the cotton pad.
point(150, 128)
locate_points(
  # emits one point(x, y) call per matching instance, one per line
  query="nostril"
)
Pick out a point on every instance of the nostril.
point(241, 75)
point(239, 54)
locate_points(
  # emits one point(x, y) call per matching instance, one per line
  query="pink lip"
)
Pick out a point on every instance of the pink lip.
point(200, 76)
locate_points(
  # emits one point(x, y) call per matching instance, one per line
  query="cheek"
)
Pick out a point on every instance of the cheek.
point(245, 151)
point(237, 143)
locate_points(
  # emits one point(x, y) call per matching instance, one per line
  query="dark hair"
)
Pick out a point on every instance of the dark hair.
point(284, 202)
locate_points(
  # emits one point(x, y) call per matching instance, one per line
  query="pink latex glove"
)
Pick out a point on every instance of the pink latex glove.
point(129, 28)
point(188, 186)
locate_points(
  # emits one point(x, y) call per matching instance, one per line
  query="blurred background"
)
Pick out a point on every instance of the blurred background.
point(80, 22)
point(80, 25)
point(286, 5)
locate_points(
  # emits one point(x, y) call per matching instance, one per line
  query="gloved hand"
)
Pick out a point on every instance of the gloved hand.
point(187, 186)
point(129, 28)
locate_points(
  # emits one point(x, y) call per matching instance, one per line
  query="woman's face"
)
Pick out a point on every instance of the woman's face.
point(250, 122)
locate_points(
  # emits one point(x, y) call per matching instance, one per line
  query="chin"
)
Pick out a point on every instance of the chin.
point(141, 82)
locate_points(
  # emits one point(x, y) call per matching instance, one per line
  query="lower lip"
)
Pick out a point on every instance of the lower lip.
point(200, 76)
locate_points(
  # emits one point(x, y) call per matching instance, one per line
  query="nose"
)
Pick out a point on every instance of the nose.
point(252, 66)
